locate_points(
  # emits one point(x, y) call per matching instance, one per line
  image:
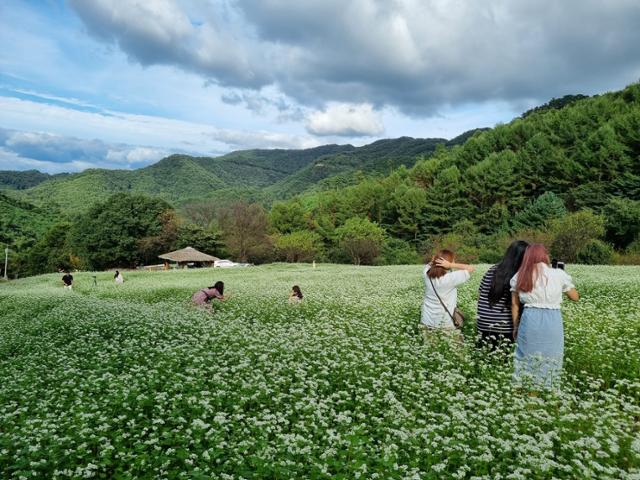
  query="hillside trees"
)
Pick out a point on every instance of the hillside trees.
point(622, 221)
point(567, 174)
point(288, 217)
point(298, 246)
point(539, 212)
point(409, 203)
point(446, 203)
point(205, 240)
point(161, 242)
point(361, 239)
point(574, 231)
point(493, 190)
point(123, 231)
point(52, 252)
point(244, 230)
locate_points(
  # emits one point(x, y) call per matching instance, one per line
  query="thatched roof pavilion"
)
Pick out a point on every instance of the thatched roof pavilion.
point(187, 255)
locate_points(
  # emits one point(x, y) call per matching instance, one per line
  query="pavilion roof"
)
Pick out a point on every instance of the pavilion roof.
point(188, 255)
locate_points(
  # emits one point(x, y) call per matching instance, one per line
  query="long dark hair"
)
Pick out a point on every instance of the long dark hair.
point(219, 286)
point(505, 270)
point(297, 291)
point(434, 270)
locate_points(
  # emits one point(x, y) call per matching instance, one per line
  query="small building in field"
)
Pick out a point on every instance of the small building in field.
point(187, 257)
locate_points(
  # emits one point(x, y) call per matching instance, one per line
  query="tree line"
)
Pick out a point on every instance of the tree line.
point(566, 174)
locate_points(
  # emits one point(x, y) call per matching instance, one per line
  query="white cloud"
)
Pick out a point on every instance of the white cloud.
point(56, 98)
point(243, 140)
point(135, 155)
point(344, 119)
point(163, 32)
point(11, 161)
point(415, 55)
point(62, 135)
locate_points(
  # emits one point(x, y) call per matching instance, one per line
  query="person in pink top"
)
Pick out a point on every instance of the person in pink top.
point(206, 295)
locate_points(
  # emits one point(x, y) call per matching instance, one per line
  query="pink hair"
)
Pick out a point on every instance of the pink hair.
point(528, 272)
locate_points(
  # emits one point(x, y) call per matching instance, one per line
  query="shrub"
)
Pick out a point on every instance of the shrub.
point(573, 232)
point(595, 252)
point(399, 252)
point(302, 246)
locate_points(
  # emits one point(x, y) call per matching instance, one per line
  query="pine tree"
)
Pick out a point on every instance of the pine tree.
point(539, 212)
point(445, 202)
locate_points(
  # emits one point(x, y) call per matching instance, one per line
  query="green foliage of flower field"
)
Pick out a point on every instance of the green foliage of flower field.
point(130, 381)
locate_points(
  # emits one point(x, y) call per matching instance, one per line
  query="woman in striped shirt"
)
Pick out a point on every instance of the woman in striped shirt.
point(494, 321)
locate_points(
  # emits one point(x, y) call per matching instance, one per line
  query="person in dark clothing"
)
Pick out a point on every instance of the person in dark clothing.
point(494, 321)
point(67, 280)
point(295, 296)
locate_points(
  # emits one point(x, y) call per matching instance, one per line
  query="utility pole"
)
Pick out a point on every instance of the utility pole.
point(6, 262)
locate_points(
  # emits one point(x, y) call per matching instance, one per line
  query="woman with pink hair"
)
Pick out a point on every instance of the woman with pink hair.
point(539, 333)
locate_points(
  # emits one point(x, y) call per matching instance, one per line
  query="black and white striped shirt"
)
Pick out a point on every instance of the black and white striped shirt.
point(493, 318)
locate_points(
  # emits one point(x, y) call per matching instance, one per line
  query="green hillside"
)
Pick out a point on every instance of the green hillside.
point(169, 179)
point(566, 174)
point(380, 157)
point(11, 180)
point(22, 223)
point(251, 174)
point(260, 168)
point(347, 168)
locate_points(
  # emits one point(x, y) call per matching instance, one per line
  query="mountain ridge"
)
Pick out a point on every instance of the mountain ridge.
point(181, 178)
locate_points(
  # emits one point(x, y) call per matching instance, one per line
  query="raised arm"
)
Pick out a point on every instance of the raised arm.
point(441, 262)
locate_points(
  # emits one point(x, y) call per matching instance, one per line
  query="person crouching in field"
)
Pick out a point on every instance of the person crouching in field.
point(204, 297)
point(539, 333)
point(118, 278)
point(67, 280)
point(295, 296)
point(494, 322)
point(442, 277)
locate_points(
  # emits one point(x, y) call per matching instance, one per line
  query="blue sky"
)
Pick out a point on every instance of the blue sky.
point(122, 83)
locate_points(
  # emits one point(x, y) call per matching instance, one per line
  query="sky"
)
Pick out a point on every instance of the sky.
point(124, 83)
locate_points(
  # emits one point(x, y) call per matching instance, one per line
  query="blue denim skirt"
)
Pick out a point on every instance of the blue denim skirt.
point(539, 347)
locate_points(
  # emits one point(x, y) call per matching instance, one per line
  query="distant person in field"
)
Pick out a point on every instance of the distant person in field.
point(442, 277)
point(118, 278)
point(295, 296)
point(67, 280)
point(205, 296)
point(539, 332)
point(494, 322)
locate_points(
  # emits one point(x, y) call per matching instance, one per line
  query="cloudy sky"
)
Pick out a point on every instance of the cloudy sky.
point(122, 83)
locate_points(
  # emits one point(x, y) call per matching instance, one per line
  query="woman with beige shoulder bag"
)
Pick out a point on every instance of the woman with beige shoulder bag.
point(442, 277)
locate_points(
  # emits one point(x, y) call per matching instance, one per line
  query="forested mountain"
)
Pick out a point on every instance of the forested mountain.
point(182, 178)
point(11, 180)
point(566, 174)
point(341, 169)
point(22, 223)
point(579, 157)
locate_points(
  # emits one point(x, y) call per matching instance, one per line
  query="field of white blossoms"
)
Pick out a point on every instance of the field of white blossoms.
point(130, 381)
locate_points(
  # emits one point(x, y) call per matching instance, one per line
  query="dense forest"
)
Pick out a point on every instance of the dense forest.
point(252, 175)
point(566, 173)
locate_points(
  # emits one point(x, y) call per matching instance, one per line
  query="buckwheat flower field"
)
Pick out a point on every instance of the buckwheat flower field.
point(130, 381)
